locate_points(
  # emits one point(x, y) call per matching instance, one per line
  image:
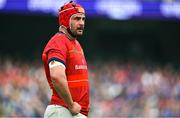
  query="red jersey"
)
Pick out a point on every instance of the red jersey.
point(70, 53)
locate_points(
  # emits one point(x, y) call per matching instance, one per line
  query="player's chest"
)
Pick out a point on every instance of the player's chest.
point(75, 55)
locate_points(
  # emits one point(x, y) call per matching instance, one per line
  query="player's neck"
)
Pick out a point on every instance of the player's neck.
point(64, 30)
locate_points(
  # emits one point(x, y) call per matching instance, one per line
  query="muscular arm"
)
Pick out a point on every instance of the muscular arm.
point(60, 84)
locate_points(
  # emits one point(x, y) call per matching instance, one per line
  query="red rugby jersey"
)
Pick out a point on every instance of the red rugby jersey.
point(70, 53)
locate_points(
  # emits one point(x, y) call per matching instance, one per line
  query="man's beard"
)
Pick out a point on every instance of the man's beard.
point(75, 33)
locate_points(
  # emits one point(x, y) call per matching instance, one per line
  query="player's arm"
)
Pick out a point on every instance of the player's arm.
point(60, 84)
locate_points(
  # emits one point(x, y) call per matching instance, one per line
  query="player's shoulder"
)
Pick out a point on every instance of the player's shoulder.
point(55, 41)
point(58, 37)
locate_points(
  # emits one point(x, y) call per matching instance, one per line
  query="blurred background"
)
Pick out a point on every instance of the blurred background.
point(132, 48)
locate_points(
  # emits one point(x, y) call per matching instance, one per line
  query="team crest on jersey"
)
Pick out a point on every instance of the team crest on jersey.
point(74, 50)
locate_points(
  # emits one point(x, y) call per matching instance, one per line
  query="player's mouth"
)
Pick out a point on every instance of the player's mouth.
point(80, 29)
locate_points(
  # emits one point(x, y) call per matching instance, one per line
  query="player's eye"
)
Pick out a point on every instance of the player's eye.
point(83, 18)
point(77, 18)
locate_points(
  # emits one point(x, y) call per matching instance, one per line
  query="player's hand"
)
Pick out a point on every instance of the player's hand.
point(75, 108)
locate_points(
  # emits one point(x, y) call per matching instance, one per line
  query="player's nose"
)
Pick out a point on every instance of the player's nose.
point(81, 22)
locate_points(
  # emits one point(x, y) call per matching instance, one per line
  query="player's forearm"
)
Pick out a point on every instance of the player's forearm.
point(61, 87)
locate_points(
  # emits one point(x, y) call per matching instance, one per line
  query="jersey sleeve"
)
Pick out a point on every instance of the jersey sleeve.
point(57, 51)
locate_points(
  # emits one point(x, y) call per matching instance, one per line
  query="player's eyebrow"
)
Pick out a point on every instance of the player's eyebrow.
point(79, 17)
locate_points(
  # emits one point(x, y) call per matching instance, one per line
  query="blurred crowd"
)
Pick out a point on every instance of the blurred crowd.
point(23, 90)
point(134, 90)
point(117, 90)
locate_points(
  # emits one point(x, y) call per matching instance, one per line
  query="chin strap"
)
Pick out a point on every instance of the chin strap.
point(69, 31)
